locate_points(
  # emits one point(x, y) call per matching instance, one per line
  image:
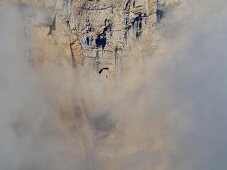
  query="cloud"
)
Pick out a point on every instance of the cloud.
point(170, 114)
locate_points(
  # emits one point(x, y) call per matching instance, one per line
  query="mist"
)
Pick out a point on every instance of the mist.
point(168, 114)
point(189, 73)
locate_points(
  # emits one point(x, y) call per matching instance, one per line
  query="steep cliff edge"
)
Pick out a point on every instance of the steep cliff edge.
point(109, 38)
point(104, 35)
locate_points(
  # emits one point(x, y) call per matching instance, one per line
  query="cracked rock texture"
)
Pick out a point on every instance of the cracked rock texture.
point(94, 33)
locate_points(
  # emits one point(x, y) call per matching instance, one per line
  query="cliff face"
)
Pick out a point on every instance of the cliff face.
point(97, 34)
point(106, 36)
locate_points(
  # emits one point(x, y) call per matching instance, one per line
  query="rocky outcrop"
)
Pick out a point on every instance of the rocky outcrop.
point(94, 33)
point(99, 33)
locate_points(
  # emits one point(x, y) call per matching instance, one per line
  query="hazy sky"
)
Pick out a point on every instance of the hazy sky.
point(173, 119)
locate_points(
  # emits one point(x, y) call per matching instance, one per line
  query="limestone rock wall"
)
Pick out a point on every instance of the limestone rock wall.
point(94, 33)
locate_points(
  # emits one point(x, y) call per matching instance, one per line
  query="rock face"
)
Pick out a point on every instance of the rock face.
point(94, 33)
point(106, 36)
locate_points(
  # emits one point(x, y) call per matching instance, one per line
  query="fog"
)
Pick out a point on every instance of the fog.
point(169, 114)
